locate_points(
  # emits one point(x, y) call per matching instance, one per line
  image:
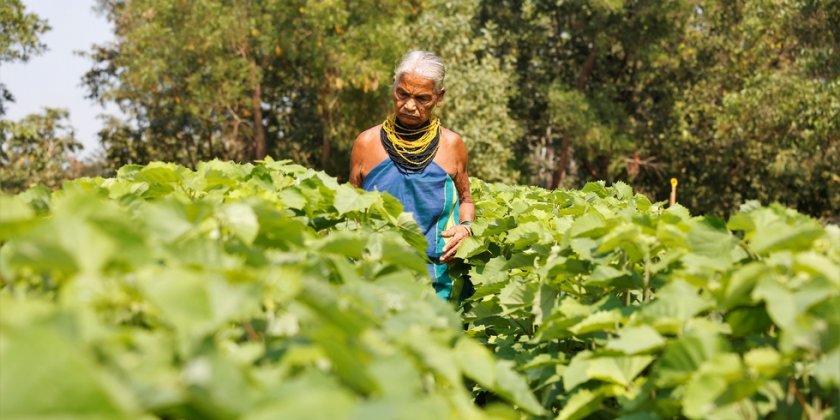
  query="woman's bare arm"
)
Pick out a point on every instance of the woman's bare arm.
point(466, 211)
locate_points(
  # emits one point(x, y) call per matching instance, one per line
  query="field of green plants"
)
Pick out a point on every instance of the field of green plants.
point(271, 291)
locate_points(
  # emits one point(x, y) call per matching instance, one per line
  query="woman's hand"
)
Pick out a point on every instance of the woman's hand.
point(456, 235)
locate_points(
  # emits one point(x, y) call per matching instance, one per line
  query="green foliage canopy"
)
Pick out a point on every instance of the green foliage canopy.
point(478, 85)
point(38, 149)
point(737, 100)
point(242, 79)
point(19, 33)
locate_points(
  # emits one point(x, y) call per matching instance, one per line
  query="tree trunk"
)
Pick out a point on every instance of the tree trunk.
point(326, 101)
point(546, 160)
point(580, 85)
point(560, 173)
point(586, 71)
point(325, 142)
point(256, 108)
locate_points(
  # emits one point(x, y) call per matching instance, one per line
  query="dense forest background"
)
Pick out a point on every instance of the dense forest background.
point(738, 100)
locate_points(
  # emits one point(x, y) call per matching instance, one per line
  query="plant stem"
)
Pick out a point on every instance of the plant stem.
point(646, 295)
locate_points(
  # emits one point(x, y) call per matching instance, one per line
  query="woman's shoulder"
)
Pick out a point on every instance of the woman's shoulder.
point(369, 135)
point(451, 141)
point(450, 138)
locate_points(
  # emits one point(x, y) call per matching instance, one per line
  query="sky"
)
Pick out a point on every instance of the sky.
point(54, 78)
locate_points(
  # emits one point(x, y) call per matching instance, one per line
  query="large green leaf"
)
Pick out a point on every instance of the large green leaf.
point(764, 360)
point(15, 214)
point(160, 178)
point(489, 273)
point(350, 244)
point(476, 362)
point(683, 357)
point(241, 220)
point(605, 275)
point(598, 321)
point(517, 295)
point(470, 247)
point(779, 235)
point(591, 224)
point(311, 396)
point(708, 237)
point(719, 382)
point(396, 376)
point(675, 303)
point(780, 302)
point(629, 238)
point(514, 388)
point(45, 374)
point(826, 370)
point(739, 286)
point(583, 403)
point(348, 199)
point(193, 303)
point(619, 370)
point(292, 198)
point(524, 234)
point(635, 340)
point(431, 407)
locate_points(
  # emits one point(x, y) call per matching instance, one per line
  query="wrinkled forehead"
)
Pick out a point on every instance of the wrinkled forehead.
point(415, 83)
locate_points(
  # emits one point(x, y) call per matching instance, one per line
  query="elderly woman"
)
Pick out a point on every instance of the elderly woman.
point(411, 156)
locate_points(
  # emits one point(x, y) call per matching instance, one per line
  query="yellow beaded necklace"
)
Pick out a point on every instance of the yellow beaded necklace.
point(416, 153)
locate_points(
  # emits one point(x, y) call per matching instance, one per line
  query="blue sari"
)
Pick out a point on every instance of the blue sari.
point(430, 195)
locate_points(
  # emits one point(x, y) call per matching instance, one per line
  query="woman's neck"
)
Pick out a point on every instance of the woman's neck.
point(410, 133)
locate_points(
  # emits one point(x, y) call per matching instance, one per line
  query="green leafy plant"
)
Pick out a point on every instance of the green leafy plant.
point(615, 306)
point(270, 290)
point(255, 291)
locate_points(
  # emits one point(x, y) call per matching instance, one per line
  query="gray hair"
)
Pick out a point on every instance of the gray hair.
point(424, 64)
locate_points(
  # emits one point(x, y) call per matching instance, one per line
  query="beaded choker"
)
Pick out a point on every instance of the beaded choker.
point(411, 149)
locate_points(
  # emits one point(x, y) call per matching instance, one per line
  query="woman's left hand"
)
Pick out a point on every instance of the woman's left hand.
point(456, 235)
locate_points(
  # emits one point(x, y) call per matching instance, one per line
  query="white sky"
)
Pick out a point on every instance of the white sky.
point(53, 79)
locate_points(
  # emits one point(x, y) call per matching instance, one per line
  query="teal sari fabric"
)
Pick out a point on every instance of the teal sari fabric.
point(430, 195)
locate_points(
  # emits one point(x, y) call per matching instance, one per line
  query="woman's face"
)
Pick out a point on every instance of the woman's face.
point(414, 99)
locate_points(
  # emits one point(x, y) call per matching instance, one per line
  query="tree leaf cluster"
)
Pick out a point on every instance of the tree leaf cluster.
point(19, 33)
point(736, 100)
point(322, 71)
point(240, 80)
point(38, 149)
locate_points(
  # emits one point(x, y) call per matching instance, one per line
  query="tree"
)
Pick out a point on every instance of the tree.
point(38, 149)
point(240, 79)
point(479, 85)
point(19, 32)
point(189, 77)
point(735, 99)
point(759, 116)
point(342, 55)
point(584, 81)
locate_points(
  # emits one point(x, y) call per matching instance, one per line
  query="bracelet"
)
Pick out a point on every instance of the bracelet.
point(468, 224)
